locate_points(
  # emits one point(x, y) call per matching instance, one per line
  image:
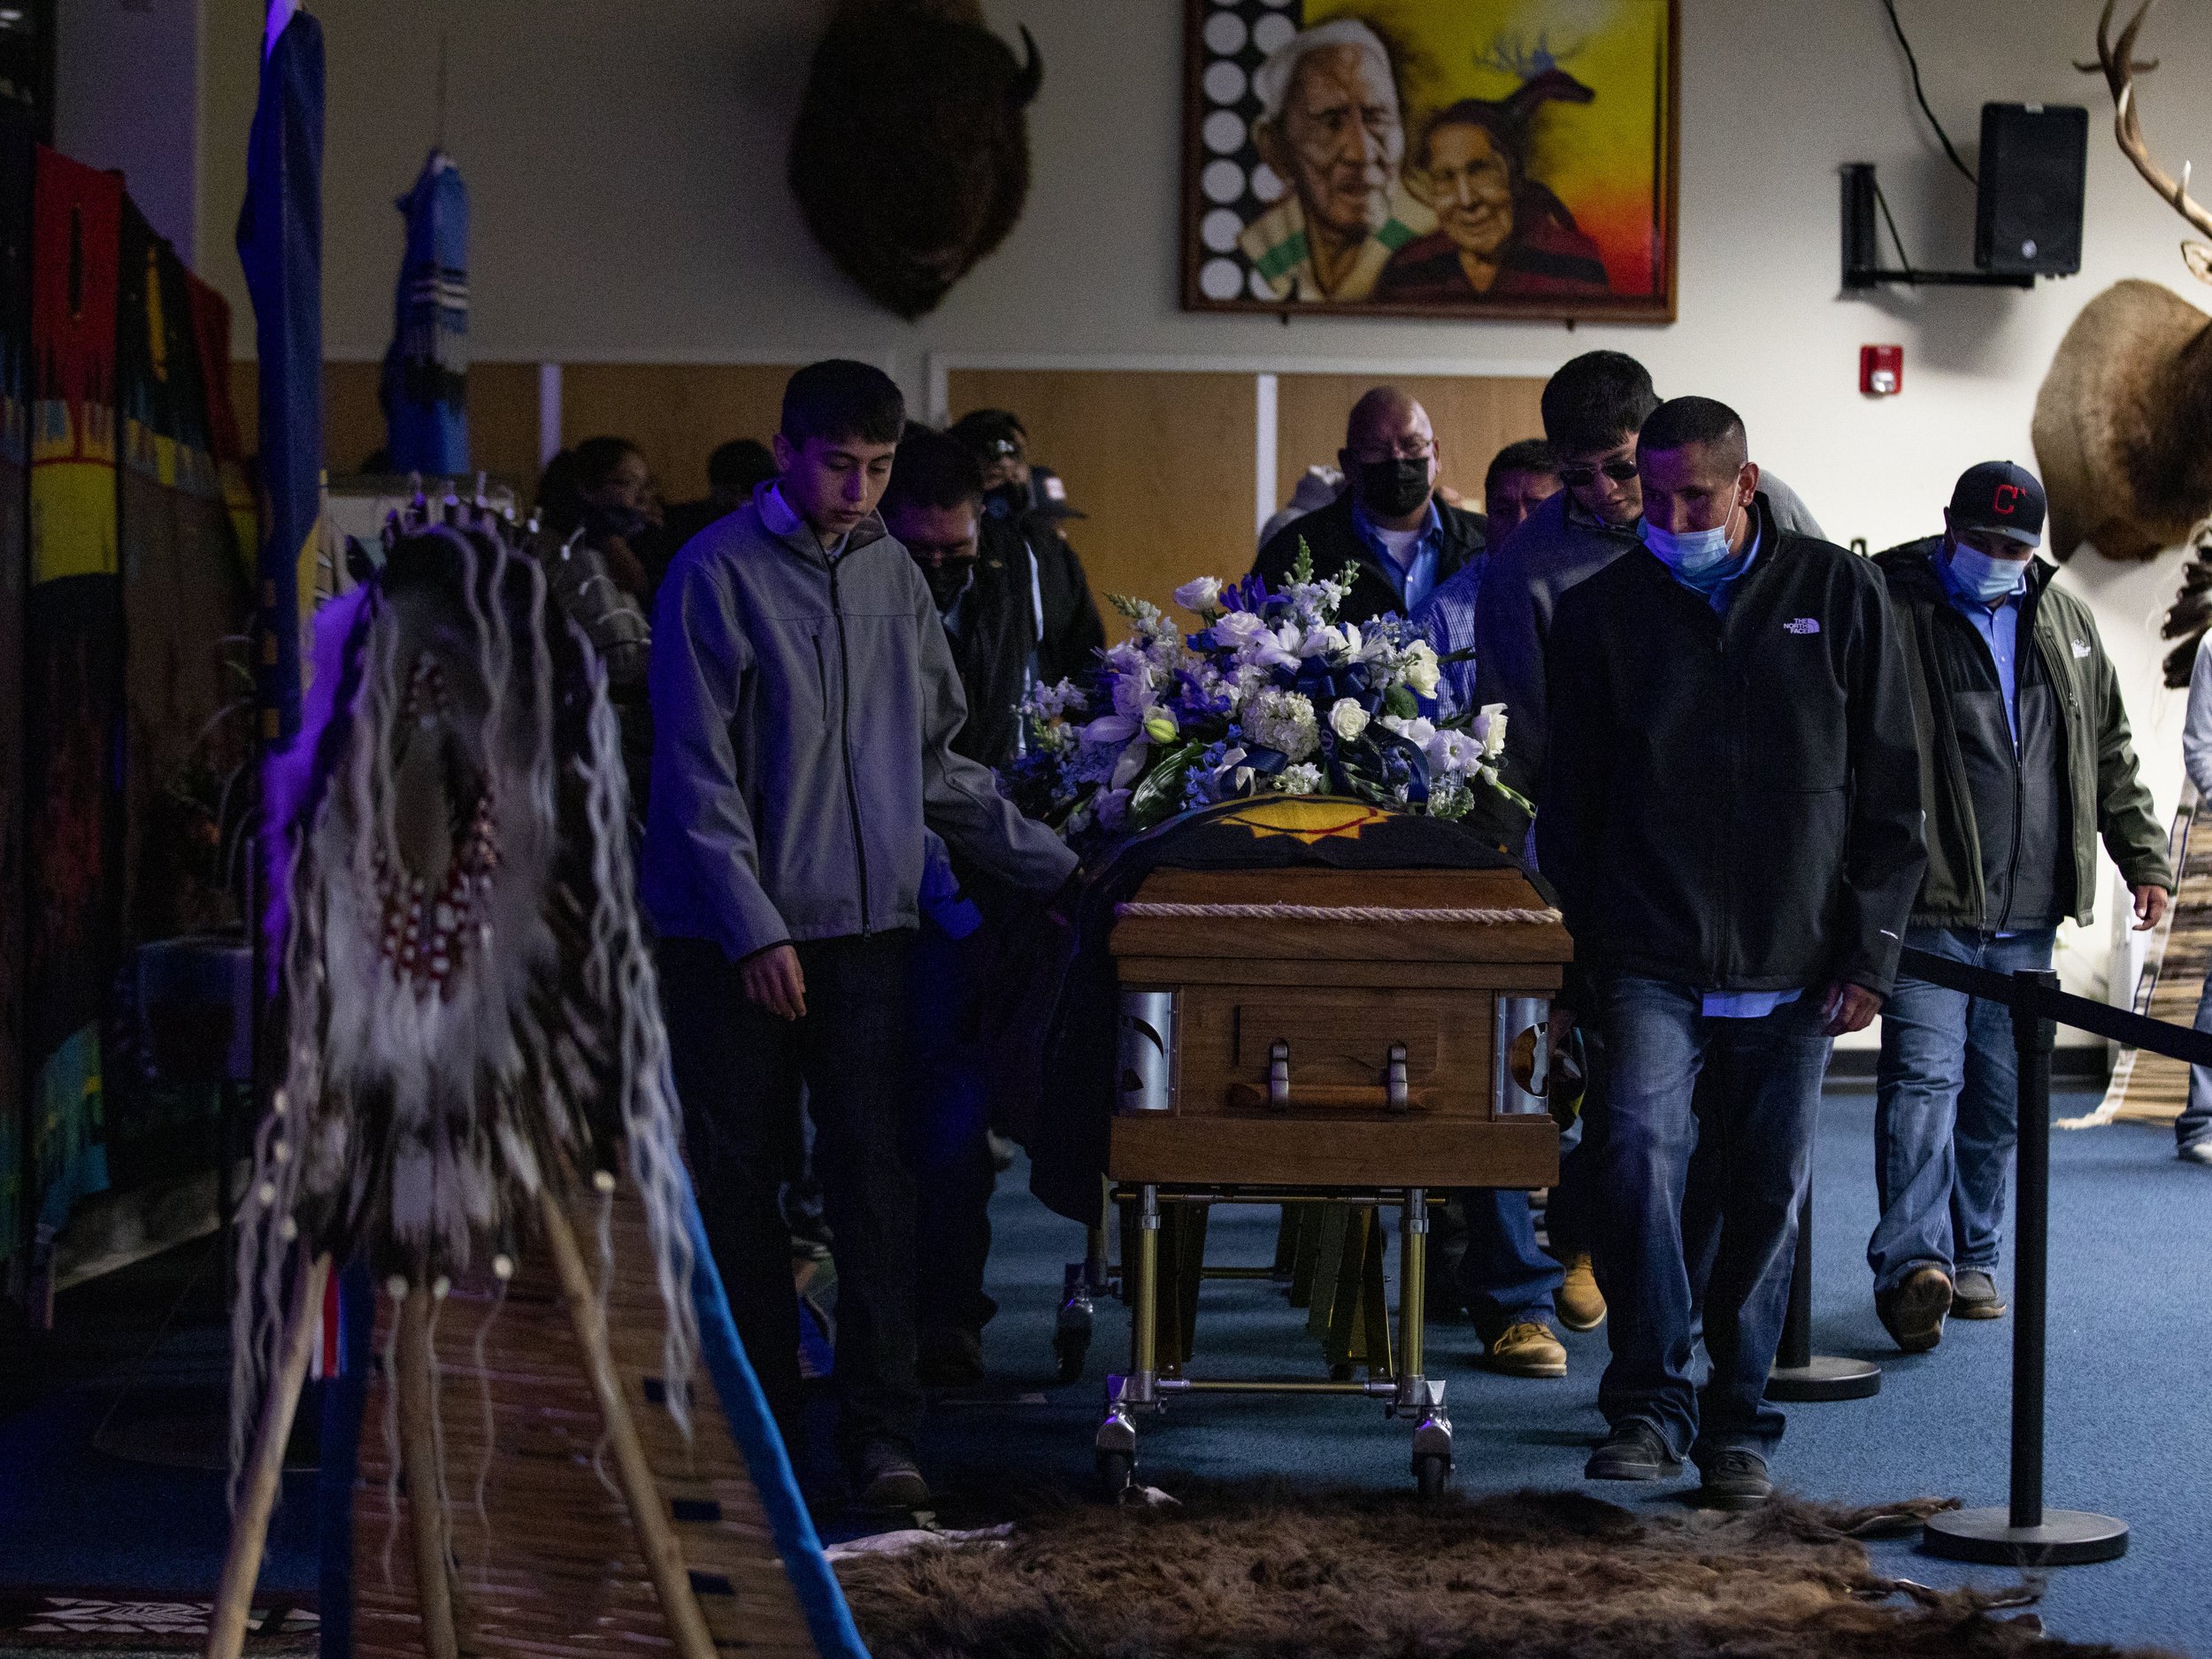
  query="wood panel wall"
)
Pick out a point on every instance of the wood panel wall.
point(1163, 463)
point(677, 413)
point(1474, 418)
point(502, 416)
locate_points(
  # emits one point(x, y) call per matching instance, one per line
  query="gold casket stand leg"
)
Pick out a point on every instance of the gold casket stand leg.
point(1349, 1236)
point(1334, 1257)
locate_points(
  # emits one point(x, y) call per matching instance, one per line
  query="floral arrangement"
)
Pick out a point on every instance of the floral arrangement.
point(1271, 694)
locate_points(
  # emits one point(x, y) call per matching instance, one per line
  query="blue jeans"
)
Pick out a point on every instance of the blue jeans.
point(1503, 1277)
point(1742, 1094)
point(1946, 1110)
point(2193, 1127)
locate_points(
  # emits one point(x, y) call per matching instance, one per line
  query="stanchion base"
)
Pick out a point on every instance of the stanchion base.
point(1825, 1376)
point(2068, 1538)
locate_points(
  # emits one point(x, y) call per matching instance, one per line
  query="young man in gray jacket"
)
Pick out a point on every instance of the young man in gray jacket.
point(804, 704)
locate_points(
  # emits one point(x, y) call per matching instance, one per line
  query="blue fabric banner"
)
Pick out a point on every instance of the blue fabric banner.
point(281, 245)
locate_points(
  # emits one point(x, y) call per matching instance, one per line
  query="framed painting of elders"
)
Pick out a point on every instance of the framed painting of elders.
point(1430, 157)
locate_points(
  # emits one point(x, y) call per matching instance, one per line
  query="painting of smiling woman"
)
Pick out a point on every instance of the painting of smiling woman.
point(1431, 157)
point(1498, 231)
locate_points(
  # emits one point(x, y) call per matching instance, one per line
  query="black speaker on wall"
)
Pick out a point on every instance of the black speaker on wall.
point(2027, 214)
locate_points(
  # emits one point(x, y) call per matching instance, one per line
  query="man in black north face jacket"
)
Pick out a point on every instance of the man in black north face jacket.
point(1730, 814)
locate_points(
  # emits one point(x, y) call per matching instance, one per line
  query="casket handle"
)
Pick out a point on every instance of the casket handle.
point(1279, 1075)
point(1395, 1087)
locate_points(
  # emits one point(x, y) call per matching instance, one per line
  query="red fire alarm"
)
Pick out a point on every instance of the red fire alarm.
point(1881, 370)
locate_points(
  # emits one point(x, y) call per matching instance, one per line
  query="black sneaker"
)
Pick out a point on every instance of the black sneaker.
point(1734, 1479)
point(1633, 1451)
point(886, 1478)
point(1912, 1310)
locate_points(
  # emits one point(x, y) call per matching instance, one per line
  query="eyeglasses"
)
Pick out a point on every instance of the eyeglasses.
point(1582, 477)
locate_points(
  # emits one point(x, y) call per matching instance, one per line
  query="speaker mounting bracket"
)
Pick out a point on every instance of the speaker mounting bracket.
point(1863, 266)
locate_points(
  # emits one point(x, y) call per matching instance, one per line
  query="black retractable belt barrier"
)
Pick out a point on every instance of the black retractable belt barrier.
point(2025, 1533)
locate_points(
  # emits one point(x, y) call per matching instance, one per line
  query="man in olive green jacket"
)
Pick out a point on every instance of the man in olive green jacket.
point(2025, 764)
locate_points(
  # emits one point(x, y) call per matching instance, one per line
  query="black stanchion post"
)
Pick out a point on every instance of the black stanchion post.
point(1800, 1374)
point(2025, 1533)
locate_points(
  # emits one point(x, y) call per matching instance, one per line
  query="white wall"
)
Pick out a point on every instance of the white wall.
point(625, 167)
point(127, 98)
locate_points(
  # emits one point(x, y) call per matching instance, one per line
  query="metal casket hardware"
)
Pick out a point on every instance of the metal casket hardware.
point(1523, 1061)
point(1394, 1092)
point(1279, 1075)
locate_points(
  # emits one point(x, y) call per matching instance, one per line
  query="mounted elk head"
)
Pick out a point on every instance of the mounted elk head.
point(2124, 422)
point(910, 155)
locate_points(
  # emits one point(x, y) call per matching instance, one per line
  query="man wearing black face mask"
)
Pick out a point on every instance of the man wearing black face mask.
point(1021, 527)
point(934, 506)
point(1390, 523)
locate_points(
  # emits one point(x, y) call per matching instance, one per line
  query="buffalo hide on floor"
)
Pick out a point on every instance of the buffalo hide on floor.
point(1228, 1574)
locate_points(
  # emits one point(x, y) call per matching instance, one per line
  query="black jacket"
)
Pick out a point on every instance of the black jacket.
point(1074, 634)
point(998, 631)
point(1732, 801)
point(2061, 663)
point(1335, 541)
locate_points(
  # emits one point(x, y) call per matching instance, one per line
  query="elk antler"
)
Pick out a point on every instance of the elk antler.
point(2117, 61)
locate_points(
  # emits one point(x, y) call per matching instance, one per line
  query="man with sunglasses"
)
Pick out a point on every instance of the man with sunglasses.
point(1594, 407)
point(1390, 523)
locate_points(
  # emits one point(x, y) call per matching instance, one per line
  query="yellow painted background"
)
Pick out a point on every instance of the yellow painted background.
point(1599, 157)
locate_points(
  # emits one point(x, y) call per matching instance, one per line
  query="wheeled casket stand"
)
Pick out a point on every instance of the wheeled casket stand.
point(1344, 1037)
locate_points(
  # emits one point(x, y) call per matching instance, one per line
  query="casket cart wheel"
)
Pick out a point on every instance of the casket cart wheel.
point(1113, 1470)
point(1431, 1473)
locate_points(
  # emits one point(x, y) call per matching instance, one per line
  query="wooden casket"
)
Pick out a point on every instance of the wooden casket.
point(1312, 1027)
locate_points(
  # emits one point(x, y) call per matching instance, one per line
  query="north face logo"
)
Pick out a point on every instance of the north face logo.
point(1801, 624)
point(2081, 647)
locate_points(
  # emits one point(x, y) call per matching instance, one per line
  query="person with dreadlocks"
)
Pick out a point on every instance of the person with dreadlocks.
point(1500, 234)
point(805, 703)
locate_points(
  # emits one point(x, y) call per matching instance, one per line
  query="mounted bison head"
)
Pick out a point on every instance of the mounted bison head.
point(2124, 422)
point(910, 155)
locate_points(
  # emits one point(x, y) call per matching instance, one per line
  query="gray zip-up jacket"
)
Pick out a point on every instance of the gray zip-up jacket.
point(803, 710)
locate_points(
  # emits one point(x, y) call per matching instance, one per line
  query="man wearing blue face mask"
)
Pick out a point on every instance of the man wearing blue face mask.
point(1730, 814)
point(2025, 760)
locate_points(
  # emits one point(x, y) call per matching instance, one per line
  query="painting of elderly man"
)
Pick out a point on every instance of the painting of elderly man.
point(1442, 158)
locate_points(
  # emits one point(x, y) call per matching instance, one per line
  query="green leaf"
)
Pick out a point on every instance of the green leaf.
point(1301, 567)
point(1160, 794)
point(1401, 702)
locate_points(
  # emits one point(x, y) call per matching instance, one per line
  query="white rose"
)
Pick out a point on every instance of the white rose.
point(1416, 731)
point(1490, 727)
point(1238, 625)
point(1200, 598)
point(1421, 669)
point(1347, 719)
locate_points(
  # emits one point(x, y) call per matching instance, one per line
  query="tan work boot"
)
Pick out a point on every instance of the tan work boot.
point(1526, 1349)
point(1581, 1307)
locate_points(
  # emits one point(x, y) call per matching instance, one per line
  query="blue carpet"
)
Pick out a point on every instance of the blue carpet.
point(2131, 1350)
